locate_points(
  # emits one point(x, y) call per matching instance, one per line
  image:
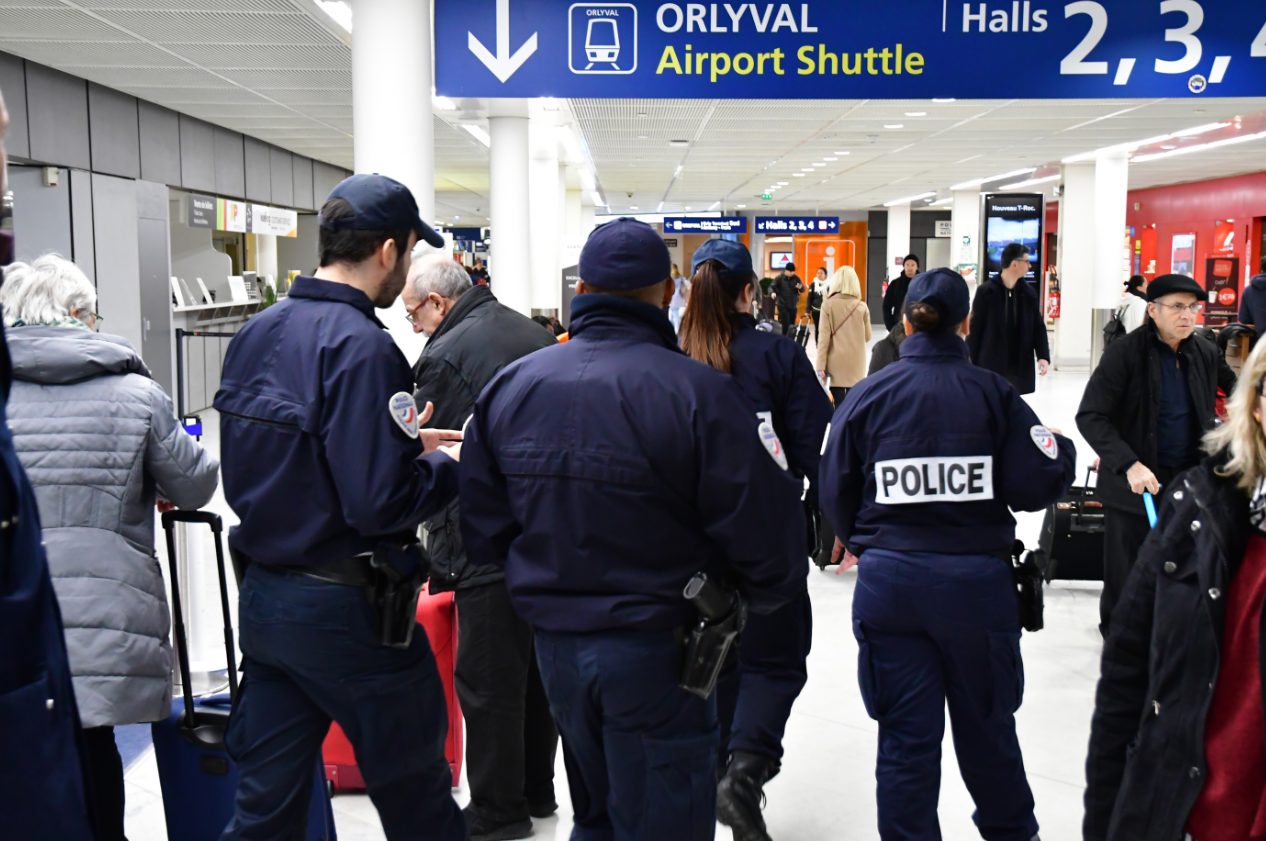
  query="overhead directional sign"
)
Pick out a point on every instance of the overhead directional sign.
point(705, 225)
point(797, 224)
point(896, 49)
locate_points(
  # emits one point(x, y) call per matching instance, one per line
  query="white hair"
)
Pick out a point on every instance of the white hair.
point(441, 274)
point(45, 291)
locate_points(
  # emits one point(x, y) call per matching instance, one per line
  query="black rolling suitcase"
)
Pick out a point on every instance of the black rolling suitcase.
point(197, 777)
point(1071, 544)
point(801, 331)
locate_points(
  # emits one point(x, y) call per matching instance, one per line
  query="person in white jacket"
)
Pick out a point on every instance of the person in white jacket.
point(1133, 307)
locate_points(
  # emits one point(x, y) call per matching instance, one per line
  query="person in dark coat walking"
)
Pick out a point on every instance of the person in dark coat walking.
point(1176, 738)
point(887, 350)
point(787, 290)
point(1007, 329)
point(510, 735)
point(895, 294)
point(1253, 302)
point(42, 779)
point(1143, 412)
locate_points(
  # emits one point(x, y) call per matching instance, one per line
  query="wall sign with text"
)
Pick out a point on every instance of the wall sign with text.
point(820, 49)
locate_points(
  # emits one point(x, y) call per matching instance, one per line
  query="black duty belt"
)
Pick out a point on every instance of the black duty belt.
point(350, 572)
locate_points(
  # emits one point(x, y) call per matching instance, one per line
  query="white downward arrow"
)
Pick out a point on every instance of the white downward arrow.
point(503, 65)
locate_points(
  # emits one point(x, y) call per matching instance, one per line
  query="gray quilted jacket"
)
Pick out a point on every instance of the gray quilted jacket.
point(99, 440)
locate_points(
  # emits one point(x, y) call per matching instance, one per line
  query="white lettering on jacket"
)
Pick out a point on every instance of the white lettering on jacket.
point(908, 481)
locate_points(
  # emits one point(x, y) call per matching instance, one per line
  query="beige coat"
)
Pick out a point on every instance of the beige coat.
point(842, 336)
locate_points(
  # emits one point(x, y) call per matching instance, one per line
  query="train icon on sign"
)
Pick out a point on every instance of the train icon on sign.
point(602, 38)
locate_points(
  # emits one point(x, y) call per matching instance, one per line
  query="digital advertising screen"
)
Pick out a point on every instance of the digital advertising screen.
point(779, 259)
point(1013, 217)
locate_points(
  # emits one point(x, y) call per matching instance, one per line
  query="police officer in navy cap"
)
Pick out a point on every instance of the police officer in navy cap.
point(783, 392)
point(326, 466)
point(922, 463)
point(604, 473)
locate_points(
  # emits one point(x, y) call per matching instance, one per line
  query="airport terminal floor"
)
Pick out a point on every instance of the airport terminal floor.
point(826, 789)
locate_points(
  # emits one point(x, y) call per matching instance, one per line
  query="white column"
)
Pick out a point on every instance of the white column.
point(544, 219)
point(965, 239)
point(1112, 181)
point(510, 258)
point(898, 237)
point(394, 133)
point(1076, 267)
point(266, 256)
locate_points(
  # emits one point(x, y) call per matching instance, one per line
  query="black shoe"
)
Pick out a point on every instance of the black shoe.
point(484, 829)
point(740, 796)
point(542, 808)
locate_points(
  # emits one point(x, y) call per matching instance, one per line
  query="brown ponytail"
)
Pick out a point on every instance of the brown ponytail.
point(924, 318)
point(706, 328)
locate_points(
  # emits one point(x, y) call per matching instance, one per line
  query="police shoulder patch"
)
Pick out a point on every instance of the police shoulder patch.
point(1045, 441)
point(404, 411)
point(773, 446)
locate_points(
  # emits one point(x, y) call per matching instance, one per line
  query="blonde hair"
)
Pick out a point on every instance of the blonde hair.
point(1241, 438)
point(45, 291)
point(844, 282)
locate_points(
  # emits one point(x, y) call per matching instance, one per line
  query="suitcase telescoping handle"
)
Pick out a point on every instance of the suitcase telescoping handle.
point(170, 519)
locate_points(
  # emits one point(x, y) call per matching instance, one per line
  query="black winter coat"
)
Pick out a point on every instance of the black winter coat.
point(988, 339)
point(894, 299)
point(1120, 407)
point(1253, 304)
point(787, 289)
point(1146, 763)
point(477, 338)
point(887, 350)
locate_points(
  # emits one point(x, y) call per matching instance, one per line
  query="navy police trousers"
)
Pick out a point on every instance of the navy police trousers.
point(756, 690)
point(310, 655)
point(932, 630)
point(639, 750)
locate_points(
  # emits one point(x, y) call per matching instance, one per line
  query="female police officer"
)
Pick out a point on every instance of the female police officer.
point(774, 374)
point(920, 467)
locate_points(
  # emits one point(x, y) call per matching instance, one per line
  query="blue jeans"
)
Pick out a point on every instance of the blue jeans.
point(310, 655)
point(639, 750)
point(934, 630)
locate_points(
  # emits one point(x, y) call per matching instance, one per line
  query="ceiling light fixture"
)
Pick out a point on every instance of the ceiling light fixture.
point(741, 206)
point(478, 133)
point(942, 101)
point(831, 159)
point(1203, 147)
point(908, 200)
point(976, 182)
point(784, 183)
point(634, 207)
point(916, 113)
point(817, 164)
point(894, 125)
point(797, 175)
point(845, 152)
point(940, 202)
point(1204, 129)
point(1127, 148)
point(1032, 182)
point(339, 11)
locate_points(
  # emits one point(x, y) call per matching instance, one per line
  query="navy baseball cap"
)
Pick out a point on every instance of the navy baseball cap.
point(625, 254)
point(945, 290)
point(380, 203)
point(733, 256)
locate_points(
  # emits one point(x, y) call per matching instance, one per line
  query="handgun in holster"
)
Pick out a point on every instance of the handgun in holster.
point(722, 615)
point(398, 569)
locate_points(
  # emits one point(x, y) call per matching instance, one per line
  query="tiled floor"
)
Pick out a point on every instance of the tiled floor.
point(826, 789)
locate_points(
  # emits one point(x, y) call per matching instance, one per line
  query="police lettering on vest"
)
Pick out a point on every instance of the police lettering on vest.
point(909, 481)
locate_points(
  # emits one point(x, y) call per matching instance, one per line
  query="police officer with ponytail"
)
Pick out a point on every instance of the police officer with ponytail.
point(754, 699)
point(923, 465)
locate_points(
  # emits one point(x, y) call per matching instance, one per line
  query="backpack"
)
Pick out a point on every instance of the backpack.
point(1114, 329)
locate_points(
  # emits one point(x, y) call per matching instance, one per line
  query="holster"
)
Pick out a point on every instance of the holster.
point(722, 615)
point(398, 569)
point(1028, 588)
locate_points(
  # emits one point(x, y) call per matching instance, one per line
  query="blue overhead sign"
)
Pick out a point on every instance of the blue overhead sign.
point(797, 224)
point(821, 49)
point(705, 225)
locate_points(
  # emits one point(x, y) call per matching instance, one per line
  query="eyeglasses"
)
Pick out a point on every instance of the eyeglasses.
point(1179, 309)
point(411, 314)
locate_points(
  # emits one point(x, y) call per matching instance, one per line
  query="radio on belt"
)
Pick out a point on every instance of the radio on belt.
point(943, 479)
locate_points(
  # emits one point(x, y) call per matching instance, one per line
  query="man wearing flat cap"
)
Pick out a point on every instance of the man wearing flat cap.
point(602, 475)
point(1144, 412)
point(326, 466)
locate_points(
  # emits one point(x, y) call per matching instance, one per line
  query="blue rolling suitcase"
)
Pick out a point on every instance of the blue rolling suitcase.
point(197, 776)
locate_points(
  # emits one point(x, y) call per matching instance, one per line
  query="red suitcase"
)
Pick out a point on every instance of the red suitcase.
point(437, 614)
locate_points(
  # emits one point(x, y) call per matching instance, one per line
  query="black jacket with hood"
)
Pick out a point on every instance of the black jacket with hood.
point(477, 338)
point(1146, 762)
point(1008, 332)
point(1253, 304)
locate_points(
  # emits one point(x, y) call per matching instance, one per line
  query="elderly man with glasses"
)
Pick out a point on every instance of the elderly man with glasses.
point(1144, 412)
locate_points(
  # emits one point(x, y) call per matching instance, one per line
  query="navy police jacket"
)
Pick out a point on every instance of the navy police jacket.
point(929, 454)
point(316, 462)
point(777, 379)
point(603, 473)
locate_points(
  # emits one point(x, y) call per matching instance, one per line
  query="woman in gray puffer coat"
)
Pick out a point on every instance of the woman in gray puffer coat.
point(100, 443)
